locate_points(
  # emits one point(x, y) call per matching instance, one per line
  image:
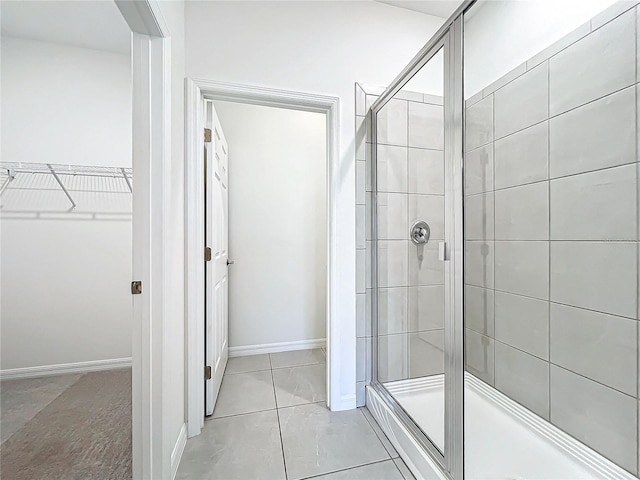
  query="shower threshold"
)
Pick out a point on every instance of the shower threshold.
point(503, 439)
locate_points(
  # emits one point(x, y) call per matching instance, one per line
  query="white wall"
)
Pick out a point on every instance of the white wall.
point(277, 223)
point(318, 47)
point(502, 34)
point(65, 281)
point(64, 104)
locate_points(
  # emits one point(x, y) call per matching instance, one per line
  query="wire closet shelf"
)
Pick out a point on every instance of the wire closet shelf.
point(70, 179)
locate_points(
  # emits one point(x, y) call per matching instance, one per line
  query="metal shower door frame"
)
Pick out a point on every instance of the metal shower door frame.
point(450, 39)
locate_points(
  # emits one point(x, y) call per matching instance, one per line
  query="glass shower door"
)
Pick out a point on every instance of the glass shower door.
point(417, 348)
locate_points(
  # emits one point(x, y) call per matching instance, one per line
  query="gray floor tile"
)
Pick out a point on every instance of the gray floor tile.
point(241, 447)
point(299, 385)
point(22, 399)
point(252, 363)
point(245, 393)
point(386, 470)
point(317, 441)
point(406, 473)
point(381, 435)
point(297, 357)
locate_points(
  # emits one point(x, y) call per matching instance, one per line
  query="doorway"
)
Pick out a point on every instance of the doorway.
point(277, 243)
point(247, 97)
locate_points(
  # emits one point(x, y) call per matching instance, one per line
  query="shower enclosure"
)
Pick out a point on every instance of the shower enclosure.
point(503, 218)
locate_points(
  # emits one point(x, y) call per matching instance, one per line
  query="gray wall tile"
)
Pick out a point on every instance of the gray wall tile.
point(596, 345)
point(426, 171)
point(360, 226)
point(392, 310)
point(426, 126)
point(479, 310)
point(596, 275)
point(506, 78)
point(361, 101)
point(522, 213)
point(429, 208)
point(360, 271)
point(603, 418)
point(478, 174)
point(597, 65)
point(523, 322)
point(479, 355)
point(479, 263)
point(393, 357)
point(523, 377)
point(522, 157)
point(599, 205)
point(409, 95)
point(361, 315)
point(424, 266)
point(479, 124)
point(361, 182)
point(361, 131)
point(559, 45)
point(392, 123)
point(611, 12)
point(426, 308)
point(393, 268)
point(597, 135)
point(392, 216)
point(479, 216)
point(523, 268)
point(426, 353)
point(522, 102)
point(392, 168)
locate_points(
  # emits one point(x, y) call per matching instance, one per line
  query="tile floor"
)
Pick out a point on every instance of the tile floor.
point(271, 422)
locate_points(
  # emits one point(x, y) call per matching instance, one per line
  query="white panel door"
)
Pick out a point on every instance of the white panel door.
point(217, 239)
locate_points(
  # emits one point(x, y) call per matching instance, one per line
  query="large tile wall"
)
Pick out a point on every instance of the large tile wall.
point(551, 226)
point(410, 176)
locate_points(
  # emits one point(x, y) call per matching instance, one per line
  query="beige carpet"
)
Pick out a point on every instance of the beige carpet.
point(85, 433)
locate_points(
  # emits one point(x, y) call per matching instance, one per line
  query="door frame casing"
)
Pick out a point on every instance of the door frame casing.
point(196, 90)
point(151, 146)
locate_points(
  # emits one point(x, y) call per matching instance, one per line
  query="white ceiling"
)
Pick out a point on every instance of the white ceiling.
point(438, 8)
point(90, 24)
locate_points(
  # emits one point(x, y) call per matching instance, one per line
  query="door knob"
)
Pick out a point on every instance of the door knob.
point(230, 262)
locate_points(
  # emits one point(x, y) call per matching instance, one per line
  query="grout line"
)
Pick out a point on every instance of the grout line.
point(592, 380)
point(211, 417)
point(549, 180)
point(249, 371)
point(549, 362)
point(552, 301)
point(549, 237)
point(347, 469)
point(273, 384)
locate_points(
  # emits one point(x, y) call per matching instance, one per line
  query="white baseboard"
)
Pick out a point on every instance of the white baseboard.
point(276, 347)
point(64, 368)
point(178, 450)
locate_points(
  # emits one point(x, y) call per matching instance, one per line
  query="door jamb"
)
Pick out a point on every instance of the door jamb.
point(196, 90)
point(151, 147)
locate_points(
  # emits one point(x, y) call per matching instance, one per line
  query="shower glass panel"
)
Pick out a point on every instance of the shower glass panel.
point(551, 239)
point(410, 198)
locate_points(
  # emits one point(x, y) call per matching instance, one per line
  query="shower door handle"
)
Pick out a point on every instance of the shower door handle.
point(443, 255)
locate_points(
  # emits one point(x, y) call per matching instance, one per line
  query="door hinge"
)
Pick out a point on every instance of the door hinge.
point(207, 254)
point(136, 287)
point(207, 135)
point(207, 372)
